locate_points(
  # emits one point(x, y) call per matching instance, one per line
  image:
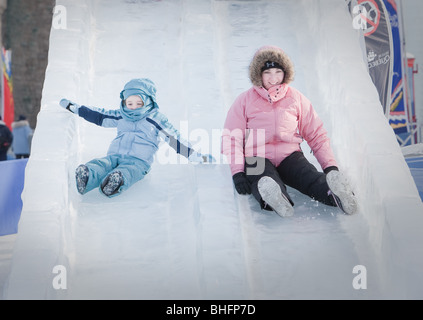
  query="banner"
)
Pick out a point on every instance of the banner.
point(397, 110)
point(8, 106)
point(380, 21)
point(376, 31)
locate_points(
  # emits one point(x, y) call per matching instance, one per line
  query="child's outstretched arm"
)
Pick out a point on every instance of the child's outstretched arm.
point(98, 116)
point(172, 136)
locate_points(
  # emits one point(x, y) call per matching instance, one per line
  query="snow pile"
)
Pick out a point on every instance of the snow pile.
point(413, 150)
point(182, 233)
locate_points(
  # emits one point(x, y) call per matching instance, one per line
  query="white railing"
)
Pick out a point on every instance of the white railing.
point(415, 135)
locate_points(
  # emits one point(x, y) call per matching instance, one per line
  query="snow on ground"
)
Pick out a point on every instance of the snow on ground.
point(413, 150)
point(182, 232)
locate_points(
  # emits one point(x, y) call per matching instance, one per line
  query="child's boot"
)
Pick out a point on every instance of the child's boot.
point(81, 177)
point(272, 195)
point(112, 183)
point(341, 192)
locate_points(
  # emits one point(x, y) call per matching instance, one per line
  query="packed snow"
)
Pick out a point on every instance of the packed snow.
point(183, 232)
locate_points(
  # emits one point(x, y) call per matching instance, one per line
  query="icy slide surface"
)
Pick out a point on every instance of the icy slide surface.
point(183, 233)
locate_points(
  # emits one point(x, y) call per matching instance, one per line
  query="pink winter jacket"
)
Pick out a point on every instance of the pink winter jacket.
point(255, 126)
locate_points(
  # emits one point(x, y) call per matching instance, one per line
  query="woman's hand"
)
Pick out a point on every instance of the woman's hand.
point(242, 185)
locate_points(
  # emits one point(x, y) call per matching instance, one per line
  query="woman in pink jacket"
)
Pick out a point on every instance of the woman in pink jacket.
point(262, 136)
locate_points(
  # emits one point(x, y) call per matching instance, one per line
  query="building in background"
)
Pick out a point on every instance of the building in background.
point(412, 11)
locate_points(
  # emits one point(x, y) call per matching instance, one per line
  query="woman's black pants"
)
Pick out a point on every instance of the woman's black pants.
point(294, 171)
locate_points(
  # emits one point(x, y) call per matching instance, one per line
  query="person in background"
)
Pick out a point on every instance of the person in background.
point(22, 134)
point(6, 139)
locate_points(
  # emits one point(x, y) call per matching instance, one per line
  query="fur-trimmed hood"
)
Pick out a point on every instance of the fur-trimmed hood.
point(274, 54)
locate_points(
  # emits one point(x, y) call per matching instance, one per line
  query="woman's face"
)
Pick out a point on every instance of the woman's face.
point(272, 77)
point(134, 102)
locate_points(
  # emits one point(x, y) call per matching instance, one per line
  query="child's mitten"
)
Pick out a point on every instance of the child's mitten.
point(208, 158)
point(69, 105)
point(196, 157)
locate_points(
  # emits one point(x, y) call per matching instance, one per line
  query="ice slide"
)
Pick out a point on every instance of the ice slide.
point(183, 233)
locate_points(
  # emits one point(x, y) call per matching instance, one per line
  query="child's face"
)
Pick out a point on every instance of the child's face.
point(134, 102)
point(272, 77)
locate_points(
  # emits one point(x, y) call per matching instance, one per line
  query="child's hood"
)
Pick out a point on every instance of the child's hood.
point(143, 87)
point(146, 90)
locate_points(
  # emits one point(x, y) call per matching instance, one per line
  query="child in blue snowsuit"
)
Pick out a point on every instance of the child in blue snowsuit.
point(139, 128)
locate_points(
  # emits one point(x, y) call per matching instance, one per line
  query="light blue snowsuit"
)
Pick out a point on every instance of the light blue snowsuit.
point(139, 133)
